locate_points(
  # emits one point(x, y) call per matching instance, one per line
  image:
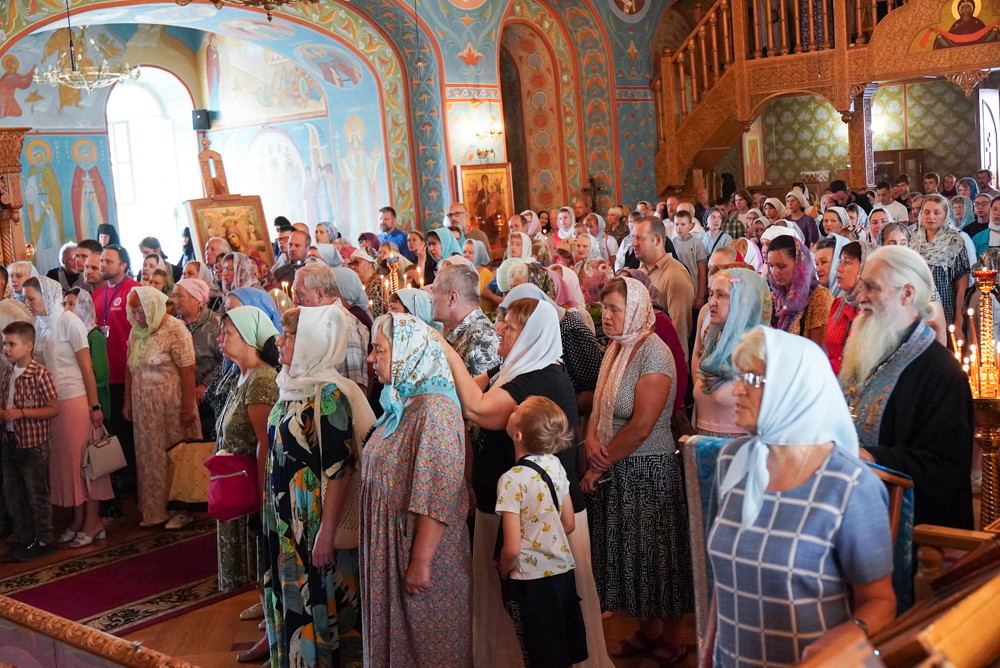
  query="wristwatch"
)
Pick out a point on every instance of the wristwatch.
point(95, 408)
point(860, 623)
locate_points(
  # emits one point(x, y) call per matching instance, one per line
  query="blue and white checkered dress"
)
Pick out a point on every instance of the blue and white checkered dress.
point(784, 582)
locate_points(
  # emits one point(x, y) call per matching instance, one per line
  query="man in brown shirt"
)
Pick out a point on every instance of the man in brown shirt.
point(668, 275)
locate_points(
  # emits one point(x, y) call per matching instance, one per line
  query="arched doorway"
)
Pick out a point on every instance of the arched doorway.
point(154, 157)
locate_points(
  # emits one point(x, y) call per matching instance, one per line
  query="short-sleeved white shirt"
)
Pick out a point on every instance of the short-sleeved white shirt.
point(544, 546)
point(56, 349)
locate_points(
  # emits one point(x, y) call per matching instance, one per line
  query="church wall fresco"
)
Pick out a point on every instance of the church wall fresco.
point(636, 150)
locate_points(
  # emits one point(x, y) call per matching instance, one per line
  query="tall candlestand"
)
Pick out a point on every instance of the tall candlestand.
point(986, 403)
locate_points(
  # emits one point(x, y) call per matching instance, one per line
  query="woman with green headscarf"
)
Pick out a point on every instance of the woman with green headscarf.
point(737, 302)
point(247, 339)
point(441, 244)
point(159, 398)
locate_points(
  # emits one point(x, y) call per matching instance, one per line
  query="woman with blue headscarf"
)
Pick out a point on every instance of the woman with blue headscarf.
point(441, 244)
point(415, 601)
point(737, 302)
point(799, 543)
point(414, 302)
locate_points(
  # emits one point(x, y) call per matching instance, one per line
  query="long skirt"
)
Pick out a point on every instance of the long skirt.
point(70, 431)
point(494, 640)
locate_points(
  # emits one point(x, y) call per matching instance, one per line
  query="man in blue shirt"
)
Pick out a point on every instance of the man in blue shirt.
point(391, 233)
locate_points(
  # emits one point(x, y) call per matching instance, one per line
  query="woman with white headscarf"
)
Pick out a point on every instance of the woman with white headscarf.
point(159, 398)
point(797, 206)
point(565, 222)
point(519, 247)
point(414, 541)
point(639, 527)
point(61, 346)
point(595, 224)
point(780, 597)
point(311, 590)
point(531, 347)
point(772, 233)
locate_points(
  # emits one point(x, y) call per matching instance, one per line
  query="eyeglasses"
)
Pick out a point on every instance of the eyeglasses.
point(750, 378)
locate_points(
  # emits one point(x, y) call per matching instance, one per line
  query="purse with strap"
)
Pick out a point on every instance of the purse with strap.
point(232, 486)
point(102, 455)
point(346, 536)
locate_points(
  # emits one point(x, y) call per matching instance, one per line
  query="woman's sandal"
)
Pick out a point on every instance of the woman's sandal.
point(637, 645)
point(83, 540)
point(664, 656)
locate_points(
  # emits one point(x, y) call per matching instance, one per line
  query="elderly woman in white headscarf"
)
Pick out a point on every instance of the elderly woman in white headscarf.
point(531, 347)
point(639, 527)
point(159, 398)
point(18, 272)
point(61, 346)
point(414, 541)
point(779, 600)
point(519, 246)
point(310, 511)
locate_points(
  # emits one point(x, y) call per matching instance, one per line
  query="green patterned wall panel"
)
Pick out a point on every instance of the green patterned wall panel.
point(803, 134)
point(889, 119)
point(942, 121)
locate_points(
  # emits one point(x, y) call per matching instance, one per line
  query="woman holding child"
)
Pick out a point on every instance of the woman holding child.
point(639, 528)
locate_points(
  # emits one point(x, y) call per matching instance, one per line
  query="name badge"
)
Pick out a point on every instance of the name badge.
point(106, 330)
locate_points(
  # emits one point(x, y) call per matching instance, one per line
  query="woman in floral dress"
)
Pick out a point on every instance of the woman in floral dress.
point(414, 542)
point(310, 589)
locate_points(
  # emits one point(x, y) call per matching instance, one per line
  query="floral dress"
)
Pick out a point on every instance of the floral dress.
point(313, 616)
point(238, 551)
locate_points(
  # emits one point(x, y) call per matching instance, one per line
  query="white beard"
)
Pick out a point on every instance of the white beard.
point(872, 339)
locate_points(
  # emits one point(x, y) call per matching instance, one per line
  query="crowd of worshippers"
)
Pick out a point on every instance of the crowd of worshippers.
point(508, 427)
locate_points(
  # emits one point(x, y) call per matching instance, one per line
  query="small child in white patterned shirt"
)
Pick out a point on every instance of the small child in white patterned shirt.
point(536, 564)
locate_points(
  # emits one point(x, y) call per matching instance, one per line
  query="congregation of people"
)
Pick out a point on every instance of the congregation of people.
point(474, 468)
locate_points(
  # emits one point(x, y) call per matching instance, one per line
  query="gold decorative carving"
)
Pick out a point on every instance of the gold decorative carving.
point(85, 638)
point(968, 80)
point(11, 232)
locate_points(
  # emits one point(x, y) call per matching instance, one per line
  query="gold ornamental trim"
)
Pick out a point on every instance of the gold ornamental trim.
point(967, 80)
point(82, 637)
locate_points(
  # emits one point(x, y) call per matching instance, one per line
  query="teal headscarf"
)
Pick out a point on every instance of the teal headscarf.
point(449, 245)
point(746, 311)
point(419, 366)
point(263, 301)
point(967, 213)
point(831, 280)
point(418, 303)
point(253, 324)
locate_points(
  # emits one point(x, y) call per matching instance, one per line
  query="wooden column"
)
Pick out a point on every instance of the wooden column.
point(859, 138)
point(11, 225)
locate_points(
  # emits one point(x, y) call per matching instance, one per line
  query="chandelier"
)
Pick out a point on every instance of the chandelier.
point(267, 5)
point(84, 75)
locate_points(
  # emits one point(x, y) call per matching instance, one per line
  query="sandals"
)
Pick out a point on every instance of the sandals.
point(665, 656)
point(66, 536)
point(637, 645)
point(83, 540)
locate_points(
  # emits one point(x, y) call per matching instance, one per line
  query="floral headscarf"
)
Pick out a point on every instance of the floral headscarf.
point(419, 366)
point(244, 273)
point(539, 277)
point(746, 310)
point(968, 214)
point(973, 187)
point(790, 302)
point(534, 225)
point(263, 274)
point(639, 322)
point(85, 309)
point(154, 306)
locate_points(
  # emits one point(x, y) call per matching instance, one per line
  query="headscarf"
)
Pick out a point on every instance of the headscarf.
point(574, 294)
point(526, 291)
point(852, 296)
point(746, 311)
point(449, 245)
point(778, 205)
point(419, 366)
point(253, 324)
point(750, 254)
point(537, 346)
point(639, 322)
point(371, 238)
point(206, 274)
point(973, 187)
point(195, 287)
point(534, 225)
point(941, 252)
point(480, 254)
point(154, 305)
point(803, 202)
point(895, 226)
point(790, 302)
point(539, 277)
point(456, 260)
point(243, 273)
point(760, 216)
point(845, 220)
point(330, 254)
point(330, 228)
point(350, 287)
point(595, 249)
point(600, 239)
point(111, 231)
point(85, 309)
point(862, 217)
point(564, 233)
point(831, 280)
point(418, 303)
point(796, 367)
point(52, 297)
point(968, 214)
point(503, 272)
point(362, 255)
point(263, 301)
point(775, 231)
point(320, 345)
point(888, 217)
point(525, 247)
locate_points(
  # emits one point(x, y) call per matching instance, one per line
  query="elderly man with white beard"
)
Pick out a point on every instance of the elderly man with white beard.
point(910, 400)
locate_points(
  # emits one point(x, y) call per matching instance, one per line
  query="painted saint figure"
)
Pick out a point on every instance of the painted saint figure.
point(359, 169)
point(9, 82)
point(42, 197)
point(89, 196)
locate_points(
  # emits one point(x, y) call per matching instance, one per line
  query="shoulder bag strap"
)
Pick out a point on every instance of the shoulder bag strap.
point(524, 461)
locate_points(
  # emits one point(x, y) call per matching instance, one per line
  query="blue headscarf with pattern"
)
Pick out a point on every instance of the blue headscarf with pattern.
point(419, 366)
point(263, 301)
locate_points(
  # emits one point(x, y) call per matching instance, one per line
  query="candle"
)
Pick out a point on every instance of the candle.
point(420, 277)
point(284, 287)
point(951, 333)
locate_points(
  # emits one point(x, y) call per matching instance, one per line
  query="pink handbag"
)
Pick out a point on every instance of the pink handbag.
point(232, 486)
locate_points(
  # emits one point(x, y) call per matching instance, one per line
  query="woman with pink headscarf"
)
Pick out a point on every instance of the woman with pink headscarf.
point(569, 294)
point(191, 297)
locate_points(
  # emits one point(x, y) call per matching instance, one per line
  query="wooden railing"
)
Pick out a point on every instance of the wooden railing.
point(699, 61)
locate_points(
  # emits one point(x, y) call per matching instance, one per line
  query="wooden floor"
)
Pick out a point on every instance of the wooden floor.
point(211, 637)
